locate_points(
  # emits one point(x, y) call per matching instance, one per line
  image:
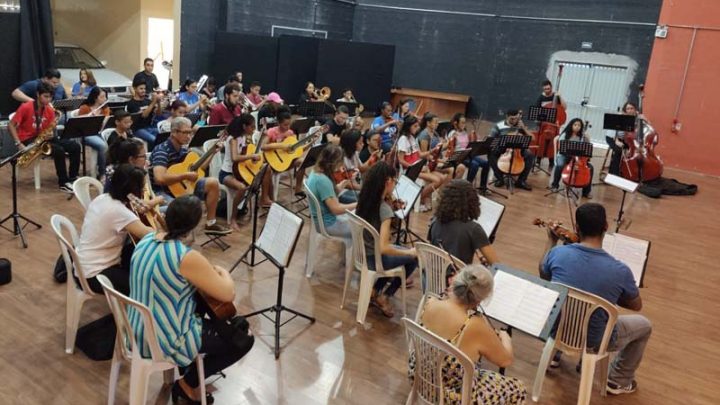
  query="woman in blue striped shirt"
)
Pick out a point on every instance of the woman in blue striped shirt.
point(166, 273)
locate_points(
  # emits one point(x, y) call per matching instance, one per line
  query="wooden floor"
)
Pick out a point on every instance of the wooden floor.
point(337, 361)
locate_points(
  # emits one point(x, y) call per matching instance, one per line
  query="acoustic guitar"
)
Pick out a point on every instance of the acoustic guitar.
point(280, 160)
point(247, 169)
point(192, 163)
point(220, 310)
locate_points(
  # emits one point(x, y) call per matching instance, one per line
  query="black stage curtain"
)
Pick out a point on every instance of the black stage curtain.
point(36, 38)
point(9, 65)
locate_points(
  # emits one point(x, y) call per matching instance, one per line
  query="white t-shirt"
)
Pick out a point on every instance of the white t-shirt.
point(353, 162)
point(103, 234)
point(227, 164)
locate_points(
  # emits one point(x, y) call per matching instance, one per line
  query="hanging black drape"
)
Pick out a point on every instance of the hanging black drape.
point(36, 38)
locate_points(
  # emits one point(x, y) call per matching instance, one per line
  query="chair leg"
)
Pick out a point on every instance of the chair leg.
point(313, 240)
point(36, 175)
point(542, 368)
point(139, 377)
point(366, 283)
point(170, 375)
point(72, 316)
point(604, 369)
point(201, 377)
point(586, 379)
point(114, 373)
point(402, 292)
point(348, 272)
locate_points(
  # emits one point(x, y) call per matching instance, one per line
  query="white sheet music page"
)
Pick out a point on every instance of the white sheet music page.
point(629, 250)
point(621, 183)
point(520, 303)
point(279, 233)
point(490, 214)
point(408, 191)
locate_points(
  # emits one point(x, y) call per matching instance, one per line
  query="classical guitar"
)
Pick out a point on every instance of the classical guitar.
point(149, 216)
point(220, 310)
point(247, 169)
point(280, 159)
point(192, 163)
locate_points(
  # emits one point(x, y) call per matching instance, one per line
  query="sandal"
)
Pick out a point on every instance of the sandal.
point(385, 306)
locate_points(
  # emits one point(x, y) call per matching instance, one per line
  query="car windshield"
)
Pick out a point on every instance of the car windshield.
point(75, 58)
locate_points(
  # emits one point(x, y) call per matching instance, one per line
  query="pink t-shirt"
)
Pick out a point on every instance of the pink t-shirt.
point(463, 139)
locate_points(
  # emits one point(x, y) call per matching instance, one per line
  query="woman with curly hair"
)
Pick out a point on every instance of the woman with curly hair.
point(454, 227)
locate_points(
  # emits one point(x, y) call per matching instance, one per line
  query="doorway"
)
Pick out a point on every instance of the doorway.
point(160, 47)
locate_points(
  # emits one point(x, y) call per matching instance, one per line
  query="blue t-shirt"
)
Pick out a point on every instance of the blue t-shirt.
point(189, 99)
point(30, 90)
point(386, 136)
point(322, 188)
point(594, 271)
point(76, 90)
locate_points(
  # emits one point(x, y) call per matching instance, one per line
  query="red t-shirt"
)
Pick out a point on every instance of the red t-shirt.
point(26, 120)
point(274, 135)
point(220, 115)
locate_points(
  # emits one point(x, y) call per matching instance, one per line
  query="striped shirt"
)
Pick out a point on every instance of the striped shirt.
point(156, 282)
point(165, 155)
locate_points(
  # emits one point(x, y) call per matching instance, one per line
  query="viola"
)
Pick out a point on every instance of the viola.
point(555, 227)
point(450, 148)
point(434, 158)
point(344, 174)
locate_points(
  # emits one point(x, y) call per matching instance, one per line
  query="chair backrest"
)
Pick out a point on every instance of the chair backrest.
point(81, 188)
point(119, 303)
point(359, 227)
point(105, 133)
point(572, 330)
point(433, 263)
point(216, 161)
point(315, 210)
point(430, 353)
point(62, 226)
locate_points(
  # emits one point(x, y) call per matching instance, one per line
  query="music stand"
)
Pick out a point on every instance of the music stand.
point(80, 127)
point(619, 122)
point(542, 114)
point(413, 193)
point(413, 172)
point(15, 215)
point(67, 104)
point(511, 142)
point(308, 161)
point(626, 186)
point(253, 192)
point(484, 147)
point(458, 156)
point(302, 125)
point(313, 109)
point(571, 149)
point(351, 106)
point(203, 134)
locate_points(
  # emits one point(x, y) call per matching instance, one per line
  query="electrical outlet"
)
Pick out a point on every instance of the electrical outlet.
point(661, 31)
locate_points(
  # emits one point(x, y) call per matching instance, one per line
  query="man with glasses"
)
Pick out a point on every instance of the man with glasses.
point(173, 151)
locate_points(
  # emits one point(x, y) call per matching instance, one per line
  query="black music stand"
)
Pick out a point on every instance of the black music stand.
point(573, 149)
point(80, 127)
point(352, 106)
point(205, 133)
point(253, 192)
point(308, 161)
point(480, 148)
point(619, 122)
point(302, 125)
point(542, 114)
point(313, 109)
point(15, 215)
point(458, 156)
point(404, 232)
point(67, 104)
point(511, 142)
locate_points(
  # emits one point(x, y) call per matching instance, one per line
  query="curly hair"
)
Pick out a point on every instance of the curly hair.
point(329, 160)
point(458, 201)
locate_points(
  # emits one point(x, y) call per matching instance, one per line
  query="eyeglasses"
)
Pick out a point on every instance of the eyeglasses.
point(185, 132)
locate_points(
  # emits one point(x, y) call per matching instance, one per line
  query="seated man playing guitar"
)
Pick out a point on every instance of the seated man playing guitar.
point(173, 151)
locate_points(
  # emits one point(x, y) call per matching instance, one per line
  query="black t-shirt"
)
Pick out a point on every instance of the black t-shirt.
point(114, 137)
point(333, 128)
point(151, 81)
point(460, 239)
point(304, 98)
point(134, 106)
point(546, 101)
point(364, 154)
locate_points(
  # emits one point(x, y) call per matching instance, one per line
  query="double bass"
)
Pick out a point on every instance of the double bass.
point(639, 162)
point(549, 130)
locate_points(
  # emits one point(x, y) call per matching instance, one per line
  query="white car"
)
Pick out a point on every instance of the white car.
point(69, 59)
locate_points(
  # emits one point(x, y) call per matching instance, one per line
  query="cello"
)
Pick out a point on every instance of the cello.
point(639, 162)
point(576, 172)
point(548, 130)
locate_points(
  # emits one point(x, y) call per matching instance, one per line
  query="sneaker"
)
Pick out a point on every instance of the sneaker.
point(555, 362)
point(217, 229)
point(588, 196)
point(499, 183)
point(523, 185)
point(67, 188)
point(616, 389)
point(483, 191)
point(554, 189)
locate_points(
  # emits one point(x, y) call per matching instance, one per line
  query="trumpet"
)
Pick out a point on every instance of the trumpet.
point(40, 146)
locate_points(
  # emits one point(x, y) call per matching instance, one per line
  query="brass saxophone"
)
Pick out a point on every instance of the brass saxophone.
point(42, 147)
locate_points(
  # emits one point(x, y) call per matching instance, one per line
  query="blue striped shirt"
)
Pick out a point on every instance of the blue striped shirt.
point(155, 281)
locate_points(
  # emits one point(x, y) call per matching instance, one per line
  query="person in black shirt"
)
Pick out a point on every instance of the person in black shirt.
point(548, 95)
point(123, 123)
point(336, 126)
point(147, 76)
point(142, 126)
point(309, 94)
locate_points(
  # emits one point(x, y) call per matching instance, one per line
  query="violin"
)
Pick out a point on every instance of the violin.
point(434, 158)
point(450, 148)
point(567, 235)
point(374, 157)
point(344, 174)
point(395, 203)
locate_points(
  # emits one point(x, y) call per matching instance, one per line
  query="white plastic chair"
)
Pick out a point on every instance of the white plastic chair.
point(433, 263)
point(571, 339)
point(359, 228)
point(140, 368)
point(105, 133)
point(214, 171)
point(318, 232)
point(76, 297)
point(430, 352)
point(82, 187)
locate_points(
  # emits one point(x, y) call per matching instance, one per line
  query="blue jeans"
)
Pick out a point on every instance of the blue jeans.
point(341, 228)
point(390, 262)
point(148, 135)
point(473, 165)
point(348, 196)
point(100, 146)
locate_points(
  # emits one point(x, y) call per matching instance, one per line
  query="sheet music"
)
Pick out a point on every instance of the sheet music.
point(631, 251)
point(279, 234)
point(520, 303)
point(621, 183)
point(408, 191)
point(490, 214)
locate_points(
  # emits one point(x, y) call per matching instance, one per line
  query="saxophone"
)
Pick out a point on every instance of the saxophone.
point(42, 147)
